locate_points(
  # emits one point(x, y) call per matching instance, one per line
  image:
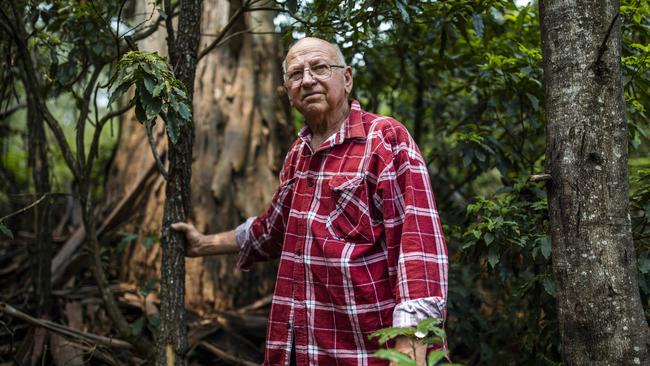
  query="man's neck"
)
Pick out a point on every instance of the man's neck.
point(326, 127)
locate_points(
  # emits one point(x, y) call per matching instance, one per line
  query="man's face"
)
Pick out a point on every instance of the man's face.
point(312, 97)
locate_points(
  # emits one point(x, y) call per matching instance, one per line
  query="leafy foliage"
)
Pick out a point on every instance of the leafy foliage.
point(157, 91)
point(6, 231)
point(427, 332)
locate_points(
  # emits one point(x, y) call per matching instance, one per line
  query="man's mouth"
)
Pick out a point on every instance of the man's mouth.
point(311, 94)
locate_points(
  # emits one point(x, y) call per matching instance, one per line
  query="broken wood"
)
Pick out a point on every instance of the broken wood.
point(62, 329)
point(63, 257)
point(233, 360)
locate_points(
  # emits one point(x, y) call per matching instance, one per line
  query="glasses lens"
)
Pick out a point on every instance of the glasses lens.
point(322, 71)
point(295, 75)
point(319, 71)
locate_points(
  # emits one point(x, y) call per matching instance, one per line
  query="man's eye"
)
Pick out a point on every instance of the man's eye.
point(295, 75)
point(320, 69)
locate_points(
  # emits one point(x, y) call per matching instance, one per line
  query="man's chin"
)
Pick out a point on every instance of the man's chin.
point(314, 107)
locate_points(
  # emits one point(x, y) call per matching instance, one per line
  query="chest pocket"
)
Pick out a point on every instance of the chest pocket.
point(350, 218)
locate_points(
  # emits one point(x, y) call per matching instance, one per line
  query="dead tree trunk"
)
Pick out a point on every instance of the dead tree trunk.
point(600, 312)
point(241, 133)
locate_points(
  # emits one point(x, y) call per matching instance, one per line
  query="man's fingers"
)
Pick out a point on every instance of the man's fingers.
point(181, 226)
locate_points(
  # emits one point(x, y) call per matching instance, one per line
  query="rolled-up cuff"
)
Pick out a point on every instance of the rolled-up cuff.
point(410, 313)
point(242, 232)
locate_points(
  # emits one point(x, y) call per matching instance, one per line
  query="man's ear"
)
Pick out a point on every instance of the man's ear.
point(348, 80)
point(286, 91)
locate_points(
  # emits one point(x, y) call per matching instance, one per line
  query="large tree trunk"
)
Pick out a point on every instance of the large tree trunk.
point(241, 132)
point(600, 312)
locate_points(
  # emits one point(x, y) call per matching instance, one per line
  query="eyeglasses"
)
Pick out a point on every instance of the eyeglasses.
point(318, 72)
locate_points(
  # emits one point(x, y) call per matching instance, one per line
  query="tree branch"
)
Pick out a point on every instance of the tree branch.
point(100, 126)
point(81, 121)
point(154, 151)
point(25, 208)
point(9, 111)
point(32, 86)
point(223, 32)
point(171, 44)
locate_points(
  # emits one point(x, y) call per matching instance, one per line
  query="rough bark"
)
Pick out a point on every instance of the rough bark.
point(41, 251)
point(240, 121)
point(600, 313)
point(172, 335)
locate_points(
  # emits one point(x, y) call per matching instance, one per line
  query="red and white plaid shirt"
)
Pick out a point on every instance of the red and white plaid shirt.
point(360, 241)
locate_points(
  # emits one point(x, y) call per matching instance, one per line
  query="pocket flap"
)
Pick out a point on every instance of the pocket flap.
point(345, 182)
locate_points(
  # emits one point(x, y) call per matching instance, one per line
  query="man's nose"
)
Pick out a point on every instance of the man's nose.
point(308, 78)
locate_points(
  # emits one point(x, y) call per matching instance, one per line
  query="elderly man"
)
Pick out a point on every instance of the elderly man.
point(353, 222)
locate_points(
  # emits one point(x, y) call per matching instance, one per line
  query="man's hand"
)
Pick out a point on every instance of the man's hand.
point(193, 238)
point(199, 245)
point(409, 345)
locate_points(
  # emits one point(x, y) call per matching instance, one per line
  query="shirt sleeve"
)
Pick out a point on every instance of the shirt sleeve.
point(415, 243)
point(260, 238)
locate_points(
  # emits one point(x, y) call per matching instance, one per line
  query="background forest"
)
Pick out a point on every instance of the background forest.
point(82, 197)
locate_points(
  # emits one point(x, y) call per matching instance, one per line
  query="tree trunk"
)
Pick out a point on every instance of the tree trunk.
point(241, 128)
point(600, 313)
point(171, 343)
point(41, 251)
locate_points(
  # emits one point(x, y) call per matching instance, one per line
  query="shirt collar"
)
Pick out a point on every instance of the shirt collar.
point(352, 127)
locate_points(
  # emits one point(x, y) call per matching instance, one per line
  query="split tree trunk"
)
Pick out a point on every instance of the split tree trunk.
point(241, 128)
point(600, 312)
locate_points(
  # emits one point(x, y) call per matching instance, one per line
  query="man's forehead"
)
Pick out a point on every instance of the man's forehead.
point(308, 49)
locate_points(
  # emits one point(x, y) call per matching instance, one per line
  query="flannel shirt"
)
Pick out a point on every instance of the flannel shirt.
point(360, 243)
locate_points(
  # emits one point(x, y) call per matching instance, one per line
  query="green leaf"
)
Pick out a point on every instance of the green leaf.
point(148, 241)
point(477, 23)
point(184, 111)
point(173, 129)
point(121, 89)
point(549, 286)
point(158, 89)
point(493, 257)
point(147, 286)
point(151, 105)
point(136, 328)
point(429, 325)
point(643, 262)
point(125, 241)
point(403, 12)
point(394, 356)
point(432, 340)
point(150, 85)
point(389, 333)
point(545, 246)
point(534, 101)
point(489, 238)
point(181, 93)
point(5, 230)
point(140, 114)
point(435, 356)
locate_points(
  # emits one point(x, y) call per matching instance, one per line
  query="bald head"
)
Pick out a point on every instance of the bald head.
point(329, 46)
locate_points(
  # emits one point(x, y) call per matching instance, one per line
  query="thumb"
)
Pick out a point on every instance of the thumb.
point(181, 226)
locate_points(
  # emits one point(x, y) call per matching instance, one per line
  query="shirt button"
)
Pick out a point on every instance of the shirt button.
point(310, 183)
point(298, 252)
point(288, 326)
